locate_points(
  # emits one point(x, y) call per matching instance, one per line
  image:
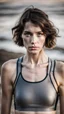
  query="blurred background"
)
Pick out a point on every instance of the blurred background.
point(10, 11)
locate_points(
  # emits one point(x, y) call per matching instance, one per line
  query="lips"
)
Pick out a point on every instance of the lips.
point(33, 47)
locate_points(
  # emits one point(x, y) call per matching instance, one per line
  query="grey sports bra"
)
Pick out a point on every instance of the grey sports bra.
point(35, 96)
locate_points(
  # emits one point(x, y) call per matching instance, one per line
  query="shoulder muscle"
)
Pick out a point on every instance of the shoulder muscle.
point(7, 70)
point(60, 71)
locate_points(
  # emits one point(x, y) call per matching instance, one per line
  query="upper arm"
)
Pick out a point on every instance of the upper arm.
point(60, 72)
point(6, 83)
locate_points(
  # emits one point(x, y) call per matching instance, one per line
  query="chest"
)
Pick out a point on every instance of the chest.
point(34, 94)
point(36, 74)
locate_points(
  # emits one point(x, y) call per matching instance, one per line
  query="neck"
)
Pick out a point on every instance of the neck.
point(36, 59)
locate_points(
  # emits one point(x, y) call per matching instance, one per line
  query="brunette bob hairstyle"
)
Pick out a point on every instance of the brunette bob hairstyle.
point(39, 18)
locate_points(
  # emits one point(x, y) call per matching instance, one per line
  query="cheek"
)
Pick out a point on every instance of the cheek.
point(25, 40)
point(42, 41)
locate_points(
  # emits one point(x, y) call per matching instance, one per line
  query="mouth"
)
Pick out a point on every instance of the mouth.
point(33, 48)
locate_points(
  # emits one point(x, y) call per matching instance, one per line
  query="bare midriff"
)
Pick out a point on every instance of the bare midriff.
point(32, 112)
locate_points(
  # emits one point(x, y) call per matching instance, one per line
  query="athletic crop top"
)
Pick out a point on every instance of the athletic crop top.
point(35, 96)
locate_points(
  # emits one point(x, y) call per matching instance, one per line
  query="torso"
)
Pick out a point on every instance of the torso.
point(10, 69)
point(30, 78)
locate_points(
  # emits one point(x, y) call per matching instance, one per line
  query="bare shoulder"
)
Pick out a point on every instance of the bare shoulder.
point(60, 67)
point(60, 71)
point(9, 65)
point(8, 69)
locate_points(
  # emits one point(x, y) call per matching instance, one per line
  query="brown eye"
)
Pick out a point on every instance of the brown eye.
point(27, 34)
point(39, 34)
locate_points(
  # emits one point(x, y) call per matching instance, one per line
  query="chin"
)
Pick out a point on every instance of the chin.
point(34, 52)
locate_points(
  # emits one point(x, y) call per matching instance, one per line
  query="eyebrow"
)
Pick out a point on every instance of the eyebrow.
point(31, 32)
point(27, 32)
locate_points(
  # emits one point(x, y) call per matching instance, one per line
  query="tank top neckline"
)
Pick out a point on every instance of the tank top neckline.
point(35, 81)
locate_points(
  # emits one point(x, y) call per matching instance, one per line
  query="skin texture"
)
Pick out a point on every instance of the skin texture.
point(35, 58)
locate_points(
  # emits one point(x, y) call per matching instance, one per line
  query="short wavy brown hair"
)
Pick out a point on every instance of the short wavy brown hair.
point(37, 17)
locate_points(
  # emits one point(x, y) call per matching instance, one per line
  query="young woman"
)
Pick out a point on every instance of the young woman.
point(34, 79)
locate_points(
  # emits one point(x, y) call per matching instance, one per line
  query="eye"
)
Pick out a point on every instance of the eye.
point(39, 34)
point(27, 34)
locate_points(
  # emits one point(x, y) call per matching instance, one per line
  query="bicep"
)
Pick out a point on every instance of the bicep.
point(60, 80)
point(62, 99)
point(6, 91)
point(61, 88)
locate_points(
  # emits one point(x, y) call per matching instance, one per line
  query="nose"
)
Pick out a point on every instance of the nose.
point(34, 39)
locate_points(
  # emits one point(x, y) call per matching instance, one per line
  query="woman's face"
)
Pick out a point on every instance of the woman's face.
point(33, 38)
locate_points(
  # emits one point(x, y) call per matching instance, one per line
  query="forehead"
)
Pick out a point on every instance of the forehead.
point(29, 26)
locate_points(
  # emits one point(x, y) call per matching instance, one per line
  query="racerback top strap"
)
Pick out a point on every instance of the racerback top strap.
point(52, 69)
point(18, 71)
